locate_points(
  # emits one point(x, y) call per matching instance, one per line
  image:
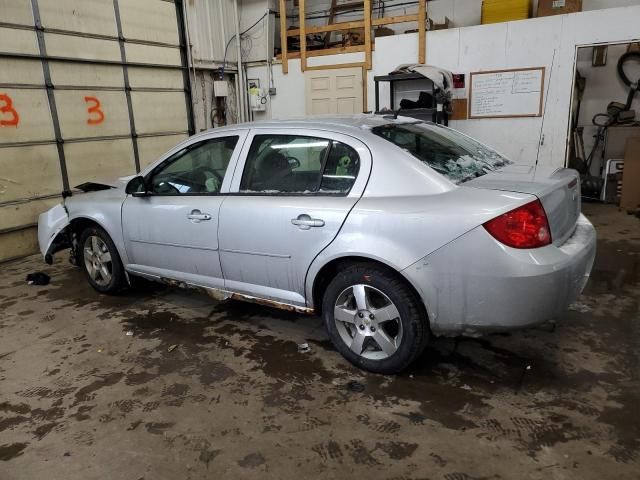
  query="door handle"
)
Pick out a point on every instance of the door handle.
point(305, 222)
point(196, 216)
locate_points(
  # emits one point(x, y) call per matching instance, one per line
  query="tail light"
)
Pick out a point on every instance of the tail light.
point(524, 227)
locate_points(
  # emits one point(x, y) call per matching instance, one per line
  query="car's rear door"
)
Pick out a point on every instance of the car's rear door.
point(290, 194)
point(173, 231)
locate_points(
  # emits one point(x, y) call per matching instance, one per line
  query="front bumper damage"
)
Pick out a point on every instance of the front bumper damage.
point(53, 232)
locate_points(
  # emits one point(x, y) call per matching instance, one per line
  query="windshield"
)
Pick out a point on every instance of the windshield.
point(456, 156)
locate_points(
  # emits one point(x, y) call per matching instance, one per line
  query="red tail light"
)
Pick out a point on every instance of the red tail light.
point(524, 227)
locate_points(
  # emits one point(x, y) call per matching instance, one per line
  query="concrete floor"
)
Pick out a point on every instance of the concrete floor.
point(82, 399)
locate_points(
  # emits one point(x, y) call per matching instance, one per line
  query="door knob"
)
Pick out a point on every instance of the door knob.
point(305, 222)
point(196, 216)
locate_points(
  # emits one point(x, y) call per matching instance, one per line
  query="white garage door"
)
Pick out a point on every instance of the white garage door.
point(89, 89)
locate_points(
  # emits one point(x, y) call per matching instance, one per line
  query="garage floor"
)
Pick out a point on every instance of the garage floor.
point(168, 384)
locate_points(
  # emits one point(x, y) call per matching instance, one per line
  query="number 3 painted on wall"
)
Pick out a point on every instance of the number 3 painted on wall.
point(7, 107)
point(96, 115)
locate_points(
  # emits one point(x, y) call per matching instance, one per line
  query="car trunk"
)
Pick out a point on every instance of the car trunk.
point(557, 189)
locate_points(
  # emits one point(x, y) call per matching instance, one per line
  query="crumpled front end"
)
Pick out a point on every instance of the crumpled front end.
point(53, 233)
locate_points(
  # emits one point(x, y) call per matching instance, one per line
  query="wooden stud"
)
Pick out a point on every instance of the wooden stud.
point(330, 51)
point(337, 65)
point(303, 37)
point(283, 36)
point(327, 28)
point(422, 34)
point(367, 34)
point(391, 20)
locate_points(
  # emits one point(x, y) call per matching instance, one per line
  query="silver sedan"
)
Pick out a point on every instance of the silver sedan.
point(392, 229)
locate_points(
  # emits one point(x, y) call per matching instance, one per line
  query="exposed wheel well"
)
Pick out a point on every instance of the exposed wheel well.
point(77, 226)
point(331, 269)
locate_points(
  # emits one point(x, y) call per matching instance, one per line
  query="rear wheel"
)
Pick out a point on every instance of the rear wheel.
point(100, 261)
point(374, 319)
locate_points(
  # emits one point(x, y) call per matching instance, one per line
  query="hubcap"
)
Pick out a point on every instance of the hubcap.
point(368, 322)
point(97, 260)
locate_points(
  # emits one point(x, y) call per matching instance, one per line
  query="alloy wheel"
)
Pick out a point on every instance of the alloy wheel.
point(368, 322)
point(97, 260)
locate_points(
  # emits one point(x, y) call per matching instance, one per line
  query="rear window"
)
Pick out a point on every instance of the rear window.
point(448, 152)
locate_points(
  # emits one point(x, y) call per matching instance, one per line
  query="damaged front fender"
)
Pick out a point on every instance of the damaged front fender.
point(53, 233)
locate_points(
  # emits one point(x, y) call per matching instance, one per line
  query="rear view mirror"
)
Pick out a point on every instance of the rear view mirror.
point(137, 187)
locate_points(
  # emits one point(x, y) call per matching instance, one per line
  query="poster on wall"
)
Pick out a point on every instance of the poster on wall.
point(506, 93)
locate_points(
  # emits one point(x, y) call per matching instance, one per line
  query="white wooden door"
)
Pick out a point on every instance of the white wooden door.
point(336, 91)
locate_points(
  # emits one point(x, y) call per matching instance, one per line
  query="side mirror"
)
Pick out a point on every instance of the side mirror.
point(137, 187)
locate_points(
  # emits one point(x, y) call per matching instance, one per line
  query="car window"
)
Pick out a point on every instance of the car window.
point(450, 153)
point(299, 164)
point(196, 169)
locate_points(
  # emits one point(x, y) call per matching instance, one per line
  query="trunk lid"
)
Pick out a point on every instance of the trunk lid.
point(557, 188)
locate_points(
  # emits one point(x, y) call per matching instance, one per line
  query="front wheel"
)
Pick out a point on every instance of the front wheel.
point(374, 319)
point(100, 261)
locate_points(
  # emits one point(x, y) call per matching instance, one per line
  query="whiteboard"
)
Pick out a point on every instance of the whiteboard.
point(506, 93)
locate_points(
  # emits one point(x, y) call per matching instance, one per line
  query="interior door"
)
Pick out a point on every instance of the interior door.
point(288, 201)
point(335, 91)
point(172, 231)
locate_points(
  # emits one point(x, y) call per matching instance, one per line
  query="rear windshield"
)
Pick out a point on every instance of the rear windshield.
point(448, 152)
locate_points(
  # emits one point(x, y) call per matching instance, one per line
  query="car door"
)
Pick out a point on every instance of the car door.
point(172, 231)
point(290, 194)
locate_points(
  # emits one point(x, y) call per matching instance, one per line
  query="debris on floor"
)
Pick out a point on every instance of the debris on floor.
point(355, 386)
point(38, 278)
point(172, 348)
point(304, 348)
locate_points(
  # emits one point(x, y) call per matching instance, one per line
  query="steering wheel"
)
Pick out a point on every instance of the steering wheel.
point(293, 162)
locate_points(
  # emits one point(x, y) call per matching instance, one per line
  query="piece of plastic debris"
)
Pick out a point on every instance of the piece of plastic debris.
point(465, 387)
point(355, 386)
point(411, 375)
point(172, 348)
point(38, 278)
point(129, 333)
point(304, 348)
point(99, 350)
point(580, 307)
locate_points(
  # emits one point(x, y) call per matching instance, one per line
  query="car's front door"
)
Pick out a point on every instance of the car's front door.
point(288, 201)
point(173, 231)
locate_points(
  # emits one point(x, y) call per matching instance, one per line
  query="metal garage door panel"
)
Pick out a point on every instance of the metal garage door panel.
point(152, 148)
point(86, 75)
point(14, 40)
point(86, 16)
point(100, 160)
point(29, 171)
point(18, 244)
point(149, 20)
point(26, 72)
point(16, 11)
point(155, 78)
point(30, 113)
point(77, 122)
point(26, 213)
point(159, 111)
point(81, 47)
point(153, 54)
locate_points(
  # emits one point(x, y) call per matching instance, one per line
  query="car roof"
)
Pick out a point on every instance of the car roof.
point(353, 124)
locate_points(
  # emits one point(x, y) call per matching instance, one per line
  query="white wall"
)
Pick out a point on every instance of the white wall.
point(549, 41)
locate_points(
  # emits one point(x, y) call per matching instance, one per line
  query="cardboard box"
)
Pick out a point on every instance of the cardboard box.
point(630, 200)
point(558, 7)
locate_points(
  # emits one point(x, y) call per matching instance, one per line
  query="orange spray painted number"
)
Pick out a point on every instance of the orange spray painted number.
point(8, 115)
point(96, 115)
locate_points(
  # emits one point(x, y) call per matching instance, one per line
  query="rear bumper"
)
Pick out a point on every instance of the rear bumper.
point(475, 284)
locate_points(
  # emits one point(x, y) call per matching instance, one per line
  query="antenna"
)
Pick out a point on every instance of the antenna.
point(544, 113)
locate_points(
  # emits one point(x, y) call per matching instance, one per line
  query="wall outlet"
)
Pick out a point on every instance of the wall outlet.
point(272, 91)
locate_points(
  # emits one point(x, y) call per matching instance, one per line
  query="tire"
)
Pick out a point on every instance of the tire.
point(393, 323)
point(110, 277)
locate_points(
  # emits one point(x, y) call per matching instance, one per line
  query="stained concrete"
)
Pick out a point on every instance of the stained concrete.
point(200, 389)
